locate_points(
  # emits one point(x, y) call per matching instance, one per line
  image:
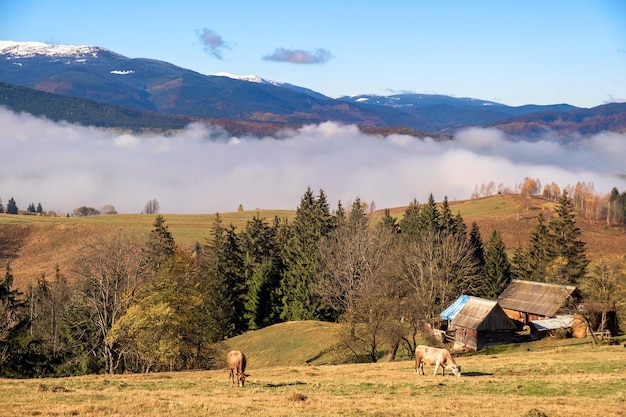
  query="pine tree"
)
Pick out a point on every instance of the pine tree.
point(497, 270)
point(538, 255)
point(566, 241)
point(356, 217)
point(10, 320)
point(409, 224)
point(340, 215)
point(429, 216)
point(446, 221)
point(311, 223)
point(12, 207)
point(390, 222)
point(476, 245)
point(263, 266)
point(224, 282)
point(160, 245)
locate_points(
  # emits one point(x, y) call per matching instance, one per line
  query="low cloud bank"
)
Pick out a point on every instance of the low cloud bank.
point(204, 170)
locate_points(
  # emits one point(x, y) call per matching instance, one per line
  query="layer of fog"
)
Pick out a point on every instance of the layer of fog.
point(204, 170)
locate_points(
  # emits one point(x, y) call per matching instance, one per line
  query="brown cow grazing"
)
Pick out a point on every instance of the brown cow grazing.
point(237, 366)
point(435, 356)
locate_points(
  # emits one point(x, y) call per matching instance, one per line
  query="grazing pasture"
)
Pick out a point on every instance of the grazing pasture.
point(552, 378)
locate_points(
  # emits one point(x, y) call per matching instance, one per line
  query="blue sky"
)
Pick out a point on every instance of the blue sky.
point(539, 52)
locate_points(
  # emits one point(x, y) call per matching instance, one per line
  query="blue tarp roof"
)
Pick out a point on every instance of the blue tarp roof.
point(454, 308)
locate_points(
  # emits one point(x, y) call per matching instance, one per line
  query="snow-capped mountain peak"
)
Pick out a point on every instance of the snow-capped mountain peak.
point(249, 78)
point(32, 49)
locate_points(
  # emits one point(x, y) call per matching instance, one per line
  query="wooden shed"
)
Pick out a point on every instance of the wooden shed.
point(481, 323)
point(526, 301)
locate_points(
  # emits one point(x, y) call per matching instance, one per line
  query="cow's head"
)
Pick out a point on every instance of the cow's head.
point(241, 379)
point(457, 371)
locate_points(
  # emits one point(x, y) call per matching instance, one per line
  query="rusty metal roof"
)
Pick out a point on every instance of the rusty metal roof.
point(537, 298)
point(482, 314)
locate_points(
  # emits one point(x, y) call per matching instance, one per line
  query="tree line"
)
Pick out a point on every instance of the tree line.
point(610, 207)
point(145, 304)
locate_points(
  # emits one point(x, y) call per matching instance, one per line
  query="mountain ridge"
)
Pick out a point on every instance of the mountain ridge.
point(149, 85)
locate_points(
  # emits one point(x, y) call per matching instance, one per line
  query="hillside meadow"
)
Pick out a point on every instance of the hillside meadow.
point(555, 378)
point(36, 245)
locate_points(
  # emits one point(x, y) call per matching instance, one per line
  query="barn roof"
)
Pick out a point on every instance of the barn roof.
point(537, 298)
point(558, 322)
point(482, 314)
point(454, 308)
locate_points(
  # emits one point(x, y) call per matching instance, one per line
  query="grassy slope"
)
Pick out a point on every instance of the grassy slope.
point(286, 344)
point(555, 378)
point(35, 245)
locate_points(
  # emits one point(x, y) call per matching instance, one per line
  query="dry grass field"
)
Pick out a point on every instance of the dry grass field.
point(549, 378)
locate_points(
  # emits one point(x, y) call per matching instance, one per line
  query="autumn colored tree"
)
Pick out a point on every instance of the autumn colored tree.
point(604, 287)
point(164, 330)
point(109, 273)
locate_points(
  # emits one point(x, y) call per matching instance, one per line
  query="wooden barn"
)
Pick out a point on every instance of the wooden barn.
point(479, 323)
point(527, 301)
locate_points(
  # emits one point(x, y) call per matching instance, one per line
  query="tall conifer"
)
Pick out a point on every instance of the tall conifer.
point(497, 269)
point(311, 223)
point(566, 240)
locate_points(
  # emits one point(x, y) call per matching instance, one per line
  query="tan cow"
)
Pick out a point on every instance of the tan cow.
point(237, 366)
point(435, 356)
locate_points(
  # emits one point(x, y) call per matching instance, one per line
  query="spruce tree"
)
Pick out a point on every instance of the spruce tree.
point(12, 207)
point(356, 217)
point(390, 222)
point(11, 322)
point(409, 224)
point(263, 266)
point(538, 255)
point(429, 216)
point(476, 246)
point(311, 223)
point(446, 220)
point(566, 241)
point(224, 280)
point(497, 270)
point(160, 245)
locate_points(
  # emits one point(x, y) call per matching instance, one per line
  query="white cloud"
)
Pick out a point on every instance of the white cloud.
point(205, 170)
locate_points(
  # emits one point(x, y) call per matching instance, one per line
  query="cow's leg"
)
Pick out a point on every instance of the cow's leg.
point(437, 365)
point(420, 367)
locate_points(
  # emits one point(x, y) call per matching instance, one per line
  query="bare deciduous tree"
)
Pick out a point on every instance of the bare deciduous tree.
point(151, 207)
point(438, 267)
point(356, 271)
point(109, 272)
